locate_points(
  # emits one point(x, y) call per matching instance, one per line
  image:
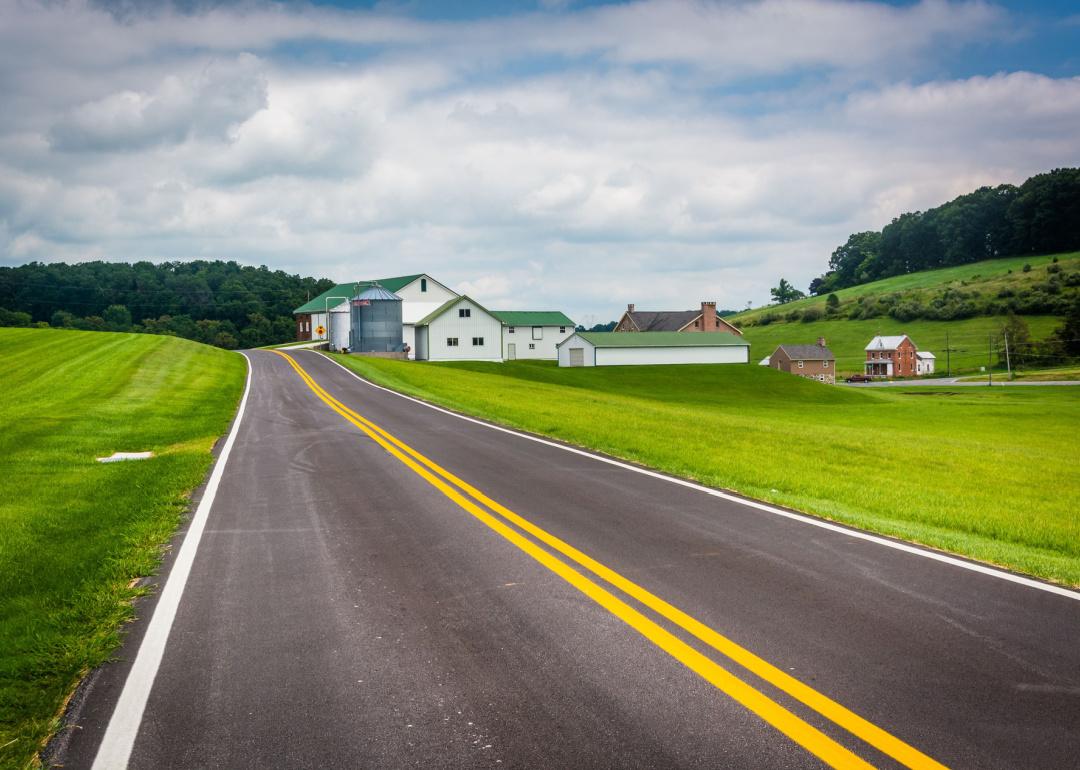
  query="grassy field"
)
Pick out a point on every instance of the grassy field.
point(986, 278)
point(969, 339)
point(989, 473)
point(74, 533)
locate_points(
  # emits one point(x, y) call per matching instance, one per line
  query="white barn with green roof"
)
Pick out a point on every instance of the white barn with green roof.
point(621, 349)
point(533, 334)
point(460, 329)
point(329, 312)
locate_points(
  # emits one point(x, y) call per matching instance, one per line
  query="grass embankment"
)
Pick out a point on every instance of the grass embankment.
point(991, 473)
point(75, 533)
point(985, 279)
point(847, 339)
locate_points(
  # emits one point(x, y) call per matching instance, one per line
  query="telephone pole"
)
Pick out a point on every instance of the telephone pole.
point(948, 357)
point(990, 358)
point(1008, 362)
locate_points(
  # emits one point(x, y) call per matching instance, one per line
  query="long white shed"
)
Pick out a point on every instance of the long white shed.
point(630, 348)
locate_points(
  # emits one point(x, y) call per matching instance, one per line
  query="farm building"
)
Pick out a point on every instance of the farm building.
point(619, 349)
point(815, 362)
point(460, 329)
point(329, 312)
point(533, 333)
point(924, 362)
point(704, 320)
point(894, 357)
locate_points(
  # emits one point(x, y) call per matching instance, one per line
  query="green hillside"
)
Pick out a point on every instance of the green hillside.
point(968, 339)
point(75, 533)
point(972, 453)
point(978, 283)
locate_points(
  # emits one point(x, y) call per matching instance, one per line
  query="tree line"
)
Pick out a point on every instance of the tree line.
point(1041, 216)
point(217, 302)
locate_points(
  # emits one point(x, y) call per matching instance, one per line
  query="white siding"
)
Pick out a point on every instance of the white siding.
point(574, 341)
point(478, 324)
point(672, 355)
point(408, 336)
point(544, 348)
point(436, 292)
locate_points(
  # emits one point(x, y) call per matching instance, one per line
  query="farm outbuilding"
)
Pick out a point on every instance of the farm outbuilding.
point(621, 349)
point(460, 329)
point(533, 333)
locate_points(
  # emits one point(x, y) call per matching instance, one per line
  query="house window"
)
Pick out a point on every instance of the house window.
point(464, 312)
point(562, 330)
point(451, 342)
point(697, 324)
point(800, 365)
point(532, 346)
point(825, 364)
point(477, 341)
point(423, 284)
point(510, 330)
point(538, 332)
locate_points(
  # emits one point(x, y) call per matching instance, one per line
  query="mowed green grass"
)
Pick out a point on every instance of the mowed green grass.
point(75, 533)
point(988, 473)
point(986, 278)
point(969, 339)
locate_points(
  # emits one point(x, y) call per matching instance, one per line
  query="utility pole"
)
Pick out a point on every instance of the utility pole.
point(990, 358)
point(1008, 362)
point(948, 357)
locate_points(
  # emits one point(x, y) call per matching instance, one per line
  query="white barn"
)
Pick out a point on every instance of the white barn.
point(924, 362)
point(623, 349)
point(326, 317)
point(533, 333)
point(460, 329)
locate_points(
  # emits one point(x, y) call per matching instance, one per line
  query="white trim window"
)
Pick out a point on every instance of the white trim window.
point(538, 332)
point(825, 364)
point(800, 364)
point(451, 342)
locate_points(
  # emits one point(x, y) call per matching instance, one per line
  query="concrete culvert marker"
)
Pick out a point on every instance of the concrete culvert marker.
point(117, 457)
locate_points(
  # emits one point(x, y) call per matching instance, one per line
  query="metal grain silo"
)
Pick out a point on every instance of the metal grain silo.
point(375, 321)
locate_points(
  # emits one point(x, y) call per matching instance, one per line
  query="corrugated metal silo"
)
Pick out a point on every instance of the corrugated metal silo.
point(375, 322)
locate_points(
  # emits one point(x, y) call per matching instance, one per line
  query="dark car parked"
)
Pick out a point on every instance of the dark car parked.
point(859, 378)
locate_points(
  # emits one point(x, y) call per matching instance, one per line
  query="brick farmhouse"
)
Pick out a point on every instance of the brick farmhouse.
point(815, 362)
point(704, 320)
point(891, 357)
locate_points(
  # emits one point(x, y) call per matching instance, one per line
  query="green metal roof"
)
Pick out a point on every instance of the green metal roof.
point(318, 304)
point(661, 339)
point(446, 306)
point(532, 317)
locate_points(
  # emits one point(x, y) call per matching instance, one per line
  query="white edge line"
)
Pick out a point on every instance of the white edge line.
point(119, 739)
point(972, 566)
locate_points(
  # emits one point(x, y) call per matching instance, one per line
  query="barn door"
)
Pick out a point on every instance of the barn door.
point(511, 351)
point(577, 356)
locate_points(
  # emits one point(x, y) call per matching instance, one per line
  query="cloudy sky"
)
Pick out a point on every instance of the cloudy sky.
point(536, 155)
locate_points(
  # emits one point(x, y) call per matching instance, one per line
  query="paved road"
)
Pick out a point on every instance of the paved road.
point(347, 610)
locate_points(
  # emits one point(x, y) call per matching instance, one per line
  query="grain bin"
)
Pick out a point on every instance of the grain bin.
point(375, 325)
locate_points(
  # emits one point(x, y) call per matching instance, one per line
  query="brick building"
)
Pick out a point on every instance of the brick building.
point(815, 362)
point(704, 320)
point(891, 357)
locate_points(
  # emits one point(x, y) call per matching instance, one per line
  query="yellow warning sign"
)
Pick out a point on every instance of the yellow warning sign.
point(320, 330)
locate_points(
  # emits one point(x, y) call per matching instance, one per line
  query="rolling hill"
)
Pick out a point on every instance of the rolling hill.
point(952, 312)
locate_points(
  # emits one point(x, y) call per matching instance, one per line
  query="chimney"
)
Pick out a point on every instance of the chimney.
point(821, 342)
point(708, 317)
point(630, 307)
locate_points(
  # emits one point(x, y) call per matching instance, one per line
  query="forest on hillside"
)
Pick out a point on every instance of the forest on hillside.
point(217, 302)
point(1041, 216)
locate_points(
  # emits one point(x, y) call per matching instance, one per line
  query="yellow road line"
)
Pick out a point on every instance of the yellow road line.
point(858, 726)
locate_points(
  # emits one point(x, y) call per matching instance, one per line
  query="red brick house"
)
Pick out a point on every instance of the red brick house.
point(704, 320)
point(891, 357)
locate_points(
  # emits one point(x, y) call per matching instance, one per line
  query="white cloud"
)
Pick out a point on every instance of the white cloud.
point(579, 160)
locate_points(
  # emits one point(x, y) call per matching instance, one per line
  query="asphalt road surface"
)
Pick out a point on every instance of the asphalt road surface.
point(383, 584)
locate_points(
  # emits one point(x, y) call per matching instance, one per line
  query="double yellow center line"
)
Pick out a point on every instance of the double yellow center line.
point(813, 740)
